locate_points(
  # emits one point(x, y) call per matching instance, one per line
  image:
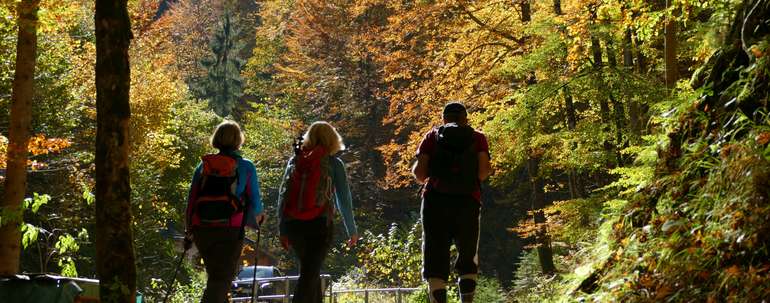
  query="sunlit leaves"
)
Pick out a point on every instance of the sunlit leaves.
point(33, 204)
point(29, 234)
point(269, 133)
point(392, 258)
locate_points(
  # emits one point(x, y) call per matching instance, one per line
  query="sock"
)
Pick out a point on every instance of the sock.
point(467, 286)
point(437, 290)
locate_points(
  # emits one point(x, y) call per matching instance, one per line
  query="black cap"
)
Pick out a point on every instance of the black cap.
point(455, 109)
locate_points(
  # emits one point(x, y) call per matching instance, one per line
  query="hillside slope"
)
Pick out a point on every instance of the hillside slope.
point(700, 232)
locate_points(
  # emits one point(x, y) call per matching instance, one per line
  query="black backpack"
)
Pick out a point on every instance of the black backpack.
point(454, 165)
point(216, 202)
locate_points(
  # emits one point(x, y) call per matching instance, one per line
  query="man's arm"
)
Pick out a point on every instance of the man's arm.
point(420, 169)
point(485, 168)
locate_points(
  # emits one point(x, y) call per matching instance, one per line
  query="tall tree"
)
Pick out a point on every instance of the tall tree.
point(115, 261)
point(18, 137)
point(526, 11)
point(672, 63)
point(634, 107)
point(544, 250)
point(557, 7)
point(223, 85)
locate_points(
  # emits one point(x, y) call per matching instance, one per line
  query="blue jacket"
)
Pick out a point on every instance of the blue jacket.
point(247, 187)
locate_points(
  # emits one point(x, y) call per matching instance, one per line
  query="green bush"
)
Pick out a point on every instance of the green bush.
point(487, 291)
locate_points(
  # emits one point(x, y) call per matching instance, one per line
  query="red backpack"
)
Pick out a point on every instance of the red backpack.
point(307, 191)
point(216, 201)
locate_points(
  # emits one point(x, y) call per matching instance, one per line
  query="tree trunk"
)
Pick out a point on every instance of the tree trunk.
point(628, 56)
point(634, 108)
point(641, 61)
point(619, 113)
point(569, 107)
point(115, 261)
point(538, 202)
point(573, 178)
point(604, 108)
point(19, 132)
point(557, 7)
point(526, 11)
point(672, 64)
point(544, 251)
point(596, 52)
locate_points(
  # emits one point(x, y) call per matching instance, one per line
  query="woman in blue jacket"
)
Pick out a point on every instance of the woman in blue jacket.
point(223, 192)
point(314, 185)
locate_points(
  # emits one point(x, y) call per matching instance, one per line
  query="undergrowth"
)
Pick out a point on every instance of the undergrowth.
point(693, 224)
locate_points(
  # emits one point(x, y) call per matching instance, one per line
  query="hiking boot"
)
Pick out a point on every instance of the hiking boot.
point(467, 289)
point(438, 296)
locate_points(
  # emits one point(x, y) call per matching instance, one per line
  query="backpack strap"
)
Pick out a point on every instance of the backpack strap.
point(243, 203)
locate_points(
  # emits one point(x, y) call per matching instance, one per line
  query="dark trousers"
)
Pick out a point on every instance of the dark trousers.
point(310, 241)
point(447, 219)
point(220, 248)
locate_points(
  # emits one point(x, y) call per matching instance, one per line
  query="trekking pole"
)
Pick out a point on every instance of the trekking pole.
point(256, 260)
point(170, 287)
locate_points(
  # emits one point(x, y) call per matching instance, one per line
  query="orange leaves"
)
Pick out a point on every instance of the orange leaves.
point(733, 270)
point(763, 138)
point(662, 292)
point(38, 145)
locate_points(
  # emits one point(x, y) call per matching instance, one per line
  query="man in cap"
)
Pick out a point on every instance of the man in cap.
point(452, 161)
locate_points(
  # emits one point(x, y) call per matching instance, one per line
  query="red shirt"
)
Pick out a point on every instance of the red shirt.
point(428, 147)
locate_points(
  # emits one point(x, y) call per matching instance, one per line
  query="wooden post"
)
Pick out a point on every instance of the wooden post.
point(323, 286)
point(286, 290)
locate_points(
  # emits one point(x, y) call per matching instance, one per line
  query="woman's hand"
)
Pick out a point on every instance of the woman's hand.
point(260, 218)
point(353, 240)
point(188, 240)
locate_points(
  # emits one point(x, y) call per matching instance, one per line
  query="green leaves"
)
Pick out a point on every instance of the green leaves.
point(393, 258)
point(35, 202)
point(29, 234)
point(89, 197)
point(68, 268)
point(67, 244)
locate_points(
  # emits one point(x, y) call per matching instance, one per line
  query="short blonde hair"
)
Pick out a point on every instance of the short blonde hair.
point(227, 136)
point(323, 133)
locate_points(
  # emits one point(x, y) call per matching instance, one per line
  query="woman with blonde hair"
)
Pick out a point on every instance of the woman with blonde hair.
point(224, 195)
point(314, 185)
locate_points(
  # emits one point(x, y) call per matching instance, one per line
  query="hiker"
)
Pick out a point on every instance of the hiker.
point(452, 160)
point(224, 189)
point(314, 183)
